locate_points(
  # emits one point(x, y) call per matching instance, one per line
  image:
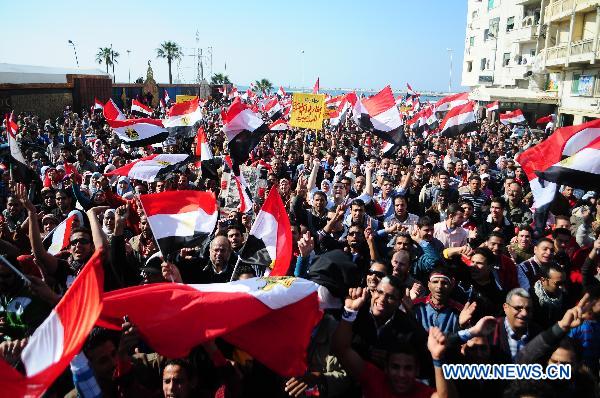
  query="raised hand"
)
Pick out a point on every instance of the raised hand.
point(575, 316)
point(436, 343)
point(306, 244)
point(483, 327)
point(356, 298)
point(21, 194)
point(467, 313)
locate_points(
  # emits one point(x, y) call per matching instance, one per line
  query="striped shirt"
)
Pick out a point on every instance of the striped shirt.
point(515, 344)
point(478, 200)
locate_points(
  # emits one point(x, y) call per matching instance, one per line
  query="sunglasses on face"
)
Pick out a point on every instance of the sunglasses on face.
point(82, 241)
point(379, 274)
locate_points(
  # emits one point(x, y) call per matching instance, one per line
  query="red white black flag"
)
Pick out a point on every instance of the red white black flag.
point(244, 130)
point(138, 107)
point(459, 120)
point(139, 132)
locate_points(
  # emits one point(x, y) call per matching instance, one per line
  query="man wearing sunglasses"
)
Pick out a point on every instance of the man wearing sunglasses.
point(375, 274)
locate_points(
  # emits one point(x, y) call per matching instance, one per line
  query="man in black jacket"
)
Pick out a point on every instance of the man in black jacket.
point(380, 323)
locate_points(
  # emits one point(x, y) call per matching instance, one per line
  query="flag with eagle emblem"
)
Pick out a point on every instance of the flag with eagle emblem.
point(139, 132)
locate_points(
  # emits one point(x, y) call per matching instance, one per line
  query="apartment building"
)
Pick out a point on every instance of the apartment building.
point(537, 55)
point(571, 57)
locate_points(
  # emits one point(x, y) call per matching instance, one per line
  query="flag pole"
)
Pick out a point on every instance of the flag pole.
point(137, 196)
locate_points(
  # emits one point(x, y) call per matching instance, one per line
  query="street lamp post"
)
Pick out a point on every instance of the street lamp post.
point(302, 56)
point(75, 50)
point(450, 74)
point(129, 65)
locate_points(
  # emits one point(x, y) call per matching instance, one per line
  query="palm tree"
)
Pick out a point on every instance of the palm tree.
point(263, 85)
point(219, 78)
point(169, 50)
point(104, 55)
point(108, 56)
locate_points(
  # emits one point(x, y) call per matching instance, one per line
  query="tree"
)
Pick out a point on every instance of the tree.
point(108, 56)
point(171, 51)
point(263, 85)
point(104, 55)
point(219, 78)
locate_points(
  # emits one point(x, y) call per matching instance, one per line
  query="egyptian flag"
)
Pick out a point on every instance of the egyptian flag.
point(316, 87)
point(450, 102)
point(545, 120)
point(112, 112)
point(269, 244)
point(166, 97)
point(245, 197)
point(281, 92)
point(514, 117)
point(162, 104)
point(273, 109)
point(58, 239)
point(233, 94)
point(98, 106)
point(334, 102)
point(339, 114)
point(279, 125)
point(564, 142)
point(380, 115)
point(19, 169)
point(204, 157)
point(269, 318)
point(389, 150)
point(139, 108)
point(180, 218)
point(581, 170)
point(60, 337)
point(410, 91)
point(182, 117)
point(152, 167)
point(459, 120)
point(494, 106)
point(244, 130)
point(139, 132)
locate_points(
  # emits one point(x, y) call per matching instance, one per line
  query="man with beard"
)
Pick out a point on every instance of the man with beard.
point(314, 218)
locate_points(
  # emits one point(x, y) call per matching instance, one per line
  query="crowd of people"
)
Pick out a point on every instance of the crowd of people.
point(447, 266)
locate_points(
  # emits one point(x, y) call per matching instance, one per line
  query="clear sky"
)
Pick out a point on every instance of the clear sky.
point(348, 44)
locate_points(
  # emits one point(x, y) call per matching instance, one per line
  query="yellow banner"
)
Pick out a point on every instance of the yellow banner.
point(307, 111)
point(183, 98)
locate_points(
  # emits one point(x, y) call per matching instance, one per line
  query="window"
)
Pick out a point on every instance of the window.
point(469, 66)
point(475, 14)
point(491, 4)
point(471, 41)
point(486, 33)
point(510, 24)
point(505, 59)
point(483, 63)
point(575, 84)
point(494, 26)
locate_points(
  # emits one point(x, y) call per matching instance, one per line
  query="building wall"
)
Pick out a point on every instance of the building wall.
point(48, 103)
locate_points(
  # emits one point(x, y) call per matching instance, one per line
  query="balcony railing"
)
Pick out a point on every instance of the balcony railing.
point(557, 8)
point(562, 8)
point(582, 47)
point(556, 52)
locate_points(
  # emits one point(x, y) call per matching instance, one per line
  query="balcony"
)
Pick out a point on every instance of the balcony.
point(580, 51)
point(563, 8)
point(524, 34)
